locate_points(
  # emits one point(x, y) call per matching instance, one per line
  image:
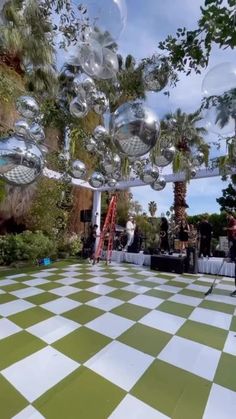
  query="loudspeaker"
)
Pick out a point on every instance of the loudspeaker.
point(86, 216)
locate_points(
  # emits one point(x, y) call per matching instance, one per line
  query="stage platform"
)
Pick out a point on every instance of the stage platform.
point(207, 266)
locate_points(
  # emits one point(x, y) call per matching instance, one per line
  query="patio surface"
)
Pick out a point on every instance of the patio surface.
point(118, 342)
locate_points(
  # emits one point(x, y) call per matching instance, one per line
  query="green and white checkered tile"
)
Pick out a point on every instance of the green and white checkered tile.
point(117, 342)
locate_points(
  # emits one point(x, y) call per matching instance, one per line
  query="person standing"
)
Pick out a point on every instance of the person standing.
point(130, 227)
point(183, 235)
point(92, 241)
point(205, 230)
point(231, 231)
point(164, 240)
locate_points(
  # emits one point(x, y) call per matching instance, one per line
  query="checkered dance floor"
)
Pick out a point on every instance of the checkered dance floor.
point(117, 342)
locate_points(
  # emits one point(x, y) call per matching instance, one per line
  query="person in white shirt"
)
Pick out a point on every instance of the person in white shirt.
point(130, 227)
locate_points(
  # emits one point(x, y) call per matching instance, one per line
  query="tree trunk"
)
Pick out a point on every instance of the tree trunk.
point(180, 191)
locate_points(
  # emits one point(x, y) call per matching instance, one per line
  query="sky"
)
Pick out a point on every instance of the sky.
point(149, 22)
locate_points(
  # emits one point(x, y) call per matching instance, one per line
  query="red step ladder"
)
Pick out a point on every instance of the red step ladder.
point(108, 228)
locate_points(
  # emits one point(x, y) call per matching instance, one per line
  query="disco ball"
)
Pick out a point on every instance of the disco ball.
point(135, 129)
point(100, 133)
point(219, 80)
point(90, 57)
point(161, 160)
point(159, 184)
point(169, 153)
point(112, 183)
point(83, 84)
point(198, 159)
point(91, 145)
point(21, 160)
point(99, 102)
point(150, 174)
point(78, 108)
point(97, 180)
point(110, 65)
point(64, 157)
point(156, 74)
point(116, 175)
point(108, 166)
point(27, 107)
point(116, 160)
point(220, 121)
point(21, 128)
point(36, 132)
point(78, 169)
point(44, 149)
point(193, 172)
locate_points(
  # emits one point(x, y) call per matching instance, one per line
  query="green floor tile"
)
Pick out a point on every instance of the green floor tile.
point(31, 316)
point(145, 339)
point(56, 277)
point(14, 287)
point(203, 283)
point(11, 402)
point(84, 285)
point(83, 314)
point(82, 395)
point(50, 286)
point(177, 284)
point(84, 276)
point(165, 276)
point(203, 333)
point(130, 311)
point(147, 283)
point(122, 295)
point(182, 310)
point(221, 292)
point(173, 391)
point(159, 294)
point(18, 346)
point(84, 296)
point(81, 344)
point(6, 298)
point(43, 298)
point(192, 293)
point(116, 284)
point(233, 324)
point(226, 371)
point(138, 276)
point(190, 276)
point(111, 276)
point(217, 306)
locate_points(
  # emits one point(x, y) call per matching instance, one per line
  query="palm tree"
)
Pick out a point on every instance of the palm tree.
point(180, 129)
point(226, 110)
point(152, 208)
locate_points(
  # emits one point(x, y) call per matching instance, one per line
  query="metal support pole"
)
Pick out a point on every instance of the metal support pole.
point(96, 218)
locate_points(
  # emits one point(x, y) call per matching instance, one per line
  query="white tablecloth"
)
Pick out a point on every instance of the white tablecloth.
point(135, 258)
point(213, 265)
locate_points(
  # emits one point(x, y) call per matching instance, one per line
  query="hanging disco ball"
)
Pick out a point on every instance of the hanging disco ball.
point(21, 128)
point(97, 180)
point(116, 160)
point(116, 175)
point(150, 174)
point(161, 160)
point(159, 184)
point(112, 183)
point(169, 153)
point(27, 107)
point(100, 133)
point(193, 172)
point(107, 166)
point(90, 145)
point(135, 129)
point(90, 57)
point(21, 160)
point(198, 159)
point(110, 65)
point(219, 80)
point(78, 169)
point(83, 84)
point(78, 108)
point(156, 74)
point(36, 132)
point(99, 102)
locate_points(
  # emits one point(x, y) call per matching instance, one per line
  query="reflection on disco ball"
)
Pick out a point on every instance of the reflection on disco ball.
point(135, 129)
point(36, 132)
point(110, 65)
point(78, 108)
point(91, 145)
point(90, 57)
point(108, 166)
point(112, 183)
point(159, 184)
point(218, 121)
point(169, 153)
point(27, 107)
point(83, 84)
point(108, 15)
point(21, 128)
point(198, 159)
point(99, 102)
point(156, 74)
point(149, 174)
point(97, 180)
point(21, 160)
point(161, 161)
point(219, 80)
point(78, 169)
point(100, 133)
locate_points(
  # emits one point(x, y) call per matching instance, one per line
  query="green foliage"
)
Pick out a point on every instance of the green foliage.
point(218, 222)
point(27, 246)
point(227, 201)
point(152, 208)
point(190, 49)
point(70, 245)
point(10, 85)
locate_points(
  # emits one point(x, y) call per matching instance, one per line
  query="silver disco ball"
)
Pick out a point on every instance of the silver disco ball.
point(78, 108)
point(97, 180)
point(156, 74)
point(83, 84)
point(36, 132)
point(169, 153)
point(99, 102)
point(193, 172)
point(91, 145)
point(27, 107)
point(116, 175)
point(116, 160)
point(198, 159)
point(107, 165)
point(21, 160)
point(135, 129)
point(78, 169)
point(161, 160)
point(159, 184)
point(112, 183)
point(150, 174)
point(100, 133)
point(21, 128)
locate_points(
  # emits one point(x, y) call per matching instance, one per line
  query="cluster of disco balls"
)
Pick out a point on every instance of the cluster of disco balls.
point(21, 154)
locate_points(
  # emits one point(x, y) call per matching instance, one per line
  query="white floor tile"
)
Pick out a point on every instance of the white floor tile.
point(211, 317)
point(226, 287)
point(185, 299)
point(160, 281)
point(221, 299)
point(70, 274)
point(68, 281)
point(168, 288)
point(8, 328)
point(199, 288)
point(43, 274)
point(2, 292)
point(27, 292)
point(35, 282)
point(37, 373)
point(53, 329)
point(120, 364)
point(146, 301)
point(139, 289)
point(132, 408)
point(4, 282)
point(105, 303)
point(99, 280)
point(64, 291)
point(191, 356)
point(14, 307)
point(16, 276)
point(163, 321)
point(129, 280)
point(101, 289)
point(230, 343)
point(110, 324)
point(29, 413)
point(221, 403)
point(185, 280)
point(61, 305)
